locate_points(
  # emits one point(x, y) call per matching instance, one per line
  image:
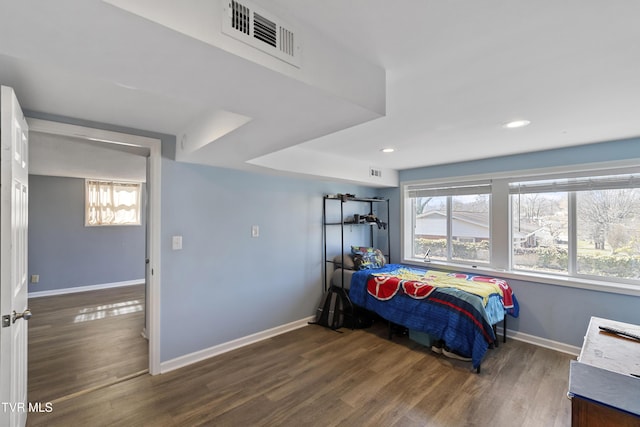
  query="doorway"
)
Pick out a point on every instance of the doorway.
point(83, 341)
point(128, 297)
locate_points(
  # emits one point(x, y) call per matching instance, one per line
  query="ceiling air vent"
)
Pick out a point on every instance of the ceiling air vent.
point(375, 173)
point(264, 30)
point(240, 18)
point(255, 27)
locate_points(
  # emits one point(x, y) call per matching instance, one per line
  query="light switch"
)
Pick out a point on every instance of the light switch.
point(255, 231)
point(176, 243)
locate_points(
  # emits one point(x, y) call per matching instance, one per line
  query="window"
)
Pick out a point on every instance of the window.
point(112, 203)
point(539, 231)
point(581, 226)
point(449, 223)
point(575, 224)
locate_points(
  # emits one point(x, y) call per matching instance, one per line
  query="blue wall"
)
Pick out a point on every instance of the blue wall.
point(552, 312)
point(591, 153)
point(64, 252)
point(224, 284)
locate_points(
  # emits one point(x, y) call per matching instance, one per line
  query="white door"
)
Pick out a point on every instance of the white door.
point(14, 197)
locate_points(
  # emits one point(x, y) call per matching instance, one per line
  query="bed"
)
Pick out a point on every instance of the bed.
point(460, 308)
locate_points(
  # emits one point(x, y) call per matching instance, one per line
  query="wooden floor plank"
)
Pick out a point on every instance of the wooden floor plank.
point(80, 340)
point(310, 377)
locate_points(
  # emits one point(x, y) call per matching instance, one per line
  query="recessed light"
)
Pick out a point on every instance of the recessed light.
point(388, 150)
point(516, 124)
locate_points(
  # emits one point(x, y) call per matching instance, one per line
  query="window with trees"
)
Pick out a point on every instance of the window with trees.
point(581, 224)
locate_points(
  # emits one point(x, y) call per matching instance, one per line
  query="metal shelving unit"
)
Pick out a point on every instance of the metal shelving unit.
point(369, 203)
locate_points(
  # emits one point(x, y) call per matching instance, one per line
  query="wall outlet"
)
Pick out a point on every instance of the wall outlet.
point(35, 278)
point(176, 243)
point(255, 231)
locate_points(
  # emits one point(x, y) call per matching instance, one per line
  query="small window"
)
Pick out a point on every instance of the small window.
point(540, 229)
point(112, 203)
point(450, 223)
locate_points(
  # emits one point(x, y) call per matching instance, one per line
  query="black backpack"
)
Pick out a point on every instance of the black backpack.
point(334, 308)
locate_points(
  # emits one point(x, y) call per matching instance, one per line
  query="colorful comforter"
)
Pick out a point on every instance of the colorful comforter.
point(448, 306)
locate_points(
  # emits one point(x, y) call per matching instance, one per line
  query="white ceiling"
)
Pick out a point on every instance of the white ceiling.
point(55, 155)
point(433, 79)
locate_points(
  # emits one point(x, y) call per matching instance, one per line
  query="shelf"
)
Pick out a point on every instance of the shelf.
point(355, 199)
point(364, 238)
point(370, 224)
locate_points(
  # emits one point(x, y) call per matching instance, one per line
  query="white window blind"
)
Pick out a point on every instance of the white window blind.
point(112, 203)
point(458, 189)
point(588, 183)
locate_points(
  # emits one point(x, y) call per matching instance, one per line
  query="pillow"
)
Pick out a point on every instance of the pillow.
point(365, 257)
point(348, 262)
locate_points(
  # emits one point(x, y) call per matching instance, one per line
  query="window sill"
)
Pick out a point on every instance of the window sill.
point(571, 282)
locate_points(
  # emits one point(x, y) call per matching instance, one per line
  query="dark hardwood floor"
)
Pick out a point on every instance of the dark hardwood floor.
point(83, 340)
point(317, 377)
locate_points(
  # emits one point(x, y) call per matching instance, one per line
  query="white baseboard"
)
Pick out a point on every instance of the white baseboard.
point(188, 359)
point(64, 291)
point(541, 342)
point(216, 350)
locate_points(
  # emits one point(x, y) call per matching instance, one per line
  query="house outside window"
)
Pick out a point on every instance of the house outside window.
point(112, 203)
point(539, 232)
point(590, 228)
point(450, 223)
point(545, 226)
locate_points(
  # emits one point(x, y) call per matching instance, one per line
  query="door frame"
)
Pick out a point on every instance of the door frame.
point(155, 161)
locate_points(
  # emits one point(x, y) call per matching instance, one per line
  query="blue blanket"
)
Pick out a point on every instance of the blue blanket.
point(452, 315)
